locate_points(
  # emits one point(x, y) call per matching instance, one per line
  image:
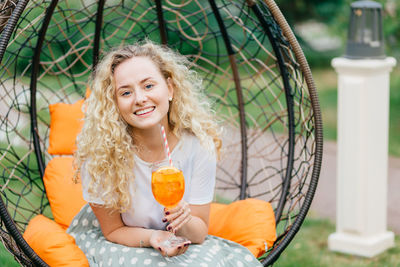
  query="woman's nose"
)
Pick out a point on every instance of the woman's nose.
point(141, 97)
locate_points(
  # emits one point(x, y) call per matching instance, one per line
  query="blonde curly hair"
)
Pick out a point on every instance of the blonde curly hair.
point(105, 146)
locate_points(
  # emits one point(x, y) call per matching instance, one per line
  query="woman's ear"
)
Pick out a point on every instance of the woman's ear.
point(170, 85)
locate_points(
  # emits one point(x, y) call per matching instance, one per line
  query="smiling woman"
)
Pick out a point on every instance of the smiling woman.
point(143, 77)
point(142, 94)
point(254, 73)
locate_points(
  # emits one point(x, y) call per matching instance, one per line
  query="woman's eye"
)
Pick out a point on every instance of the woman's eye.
point(149, 86)
point(126, 93)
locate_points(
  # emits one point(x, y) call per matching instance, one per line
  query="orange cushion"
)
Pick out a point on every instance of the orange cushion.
point(65, 197)
point(249, 222)
point(66, 121)
point(87, 93)
point(53, 245)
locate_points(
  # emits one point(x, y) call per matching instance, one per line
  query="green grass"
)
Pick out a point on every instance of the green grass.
point(309, 248)
point(6, 259)
point(394, 122)
point(326, 83)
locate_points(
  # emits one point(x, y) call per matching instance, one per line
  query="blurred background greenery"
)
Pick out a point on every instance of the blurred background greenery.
point(321, 28)
point(334, 14)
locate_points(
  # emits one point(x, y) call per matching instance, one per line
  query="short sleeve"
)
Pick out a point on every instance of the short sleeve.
point(203, 177)
point(85, 178)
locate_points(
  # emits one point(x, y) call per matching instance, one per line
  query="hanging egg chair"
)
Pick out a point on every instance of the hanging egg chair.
point(253, 70)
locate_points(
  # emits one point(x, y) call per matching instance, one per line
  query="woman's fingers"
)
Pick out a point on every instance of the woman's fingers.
point(181, 250)
point(157, 241)
point(183, 247)
point(175, 251)
point(181, 205)
point(181, 221)
point(177, 216)
point(175, 210)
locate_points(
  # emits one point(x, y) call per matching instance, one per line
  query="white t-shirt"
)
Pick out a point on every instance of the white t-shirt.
point(199, 169)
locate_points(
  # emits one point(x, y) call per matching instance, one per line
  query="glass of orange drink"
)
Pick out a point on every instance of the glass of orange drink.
point(168, 187)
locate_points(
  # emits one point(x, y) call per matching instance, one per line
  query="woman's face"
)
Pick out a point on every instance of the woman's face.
point(142, 93)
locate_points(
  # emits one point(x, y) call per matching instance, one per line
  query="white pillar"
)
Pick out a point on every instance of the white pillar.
point(362, 160)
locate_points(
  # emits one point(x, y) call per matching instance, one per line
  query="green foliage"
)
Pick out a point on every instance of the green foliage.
point(297, 12)
point(391, 26)
point(302, 10)
point(336, 14)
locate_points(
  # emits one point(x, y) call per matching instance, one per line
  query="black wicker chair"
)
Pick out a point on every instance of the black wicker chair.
point(253, 69)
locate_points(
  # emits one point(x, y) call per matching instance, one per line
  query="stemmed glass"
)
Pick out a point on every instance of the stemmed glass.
point(168, 187)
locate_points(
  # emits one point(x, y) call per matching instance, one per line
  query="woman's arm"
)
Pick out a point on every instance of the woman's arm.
point(193, 225)
point(114, 230)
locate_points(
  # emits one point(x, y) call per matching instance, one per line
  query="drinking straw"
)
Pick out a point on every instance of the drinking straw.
point(166, 145)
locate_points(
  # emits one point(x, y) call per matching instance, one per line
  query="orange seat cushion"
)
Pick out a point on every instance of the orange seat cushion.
point(53, 245)
point(66, 121)
point(88, 92)
point(65, 197)
point(249, 222)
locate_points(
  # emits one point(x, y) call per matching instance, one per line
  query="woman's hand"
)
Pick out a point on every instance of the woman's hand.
point(177, 216)
point(157, 241)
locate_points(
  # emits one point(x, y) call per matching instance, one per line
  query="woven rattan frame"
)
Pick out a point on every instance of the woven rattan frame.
point(254, 70)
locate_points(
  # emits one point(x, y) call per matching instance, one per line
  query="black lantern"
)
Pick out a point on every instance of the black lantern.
point(365, 37)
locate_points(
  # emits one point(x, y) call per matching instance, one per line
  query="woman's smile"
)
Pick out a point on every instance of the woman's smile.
point(145, 111)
